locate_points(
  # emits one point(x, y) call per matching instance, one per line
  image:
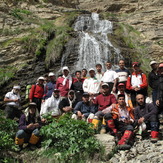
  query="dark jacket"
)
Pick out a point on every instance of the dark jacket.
point(26, 119)
point(160, 89)
point(153, 80)
point(85, 109)
point(65, 102)
point(145, 111)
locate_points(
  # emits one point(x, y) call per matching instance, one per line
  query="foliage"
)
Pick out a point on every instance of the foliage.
point(7, 131)
point(5, 74)
point(69, 139)
point(19, 13)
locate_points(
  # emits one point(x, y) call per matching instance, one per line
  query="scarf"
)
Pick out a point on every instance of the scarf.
point(65, 80)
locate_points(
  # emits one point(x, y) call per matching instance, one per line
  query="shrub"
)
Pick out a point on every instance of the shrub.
point(69, 140)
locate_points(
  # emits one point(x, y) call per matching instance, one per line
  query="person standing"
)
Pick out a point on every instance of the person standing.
point(12, 100)
point(37, 92)
point(99, 73)
point(110, 77)
point(153, 79)
point(136, 83)
point(91, 85)
point(77, 85)
point(122, 72)
point(64, 82)
point(159, 101)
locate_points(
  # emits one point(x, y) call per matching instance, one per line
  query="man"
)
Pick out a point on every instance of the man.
point(110, 77)
point(121, 90)
point(103, 101)
point(91, 85)
point(84, 73)
point(159, 101)
point(147, 113)
point(69, 103)
point(64, 82)
point(122, 72)
point(136, 83)
point(52, 105)
point(122, 120)
point(29, 125)
point(99, 73)
point(12, 100)
point(49, 87)
point(77, 85)
point(153, 80)
point(37, 92)
point(84, 109)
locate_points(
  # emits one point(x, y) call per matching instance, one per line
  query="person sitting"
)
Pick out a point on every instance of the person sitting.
point(84, 109)
point(147, 113)
point(103, 101)
point(29, 125)
point(52, 105)
point(121, 119)
point(121, 90)
point(69, 103)
point(12, 100)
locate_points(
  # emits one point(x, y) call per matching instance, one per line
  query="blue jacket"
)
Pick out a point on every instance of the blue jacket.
point(48, 90)
point(85, 109)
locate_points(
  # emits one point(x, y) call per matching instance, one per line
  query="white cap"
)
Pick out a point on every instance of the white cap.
point(105, 84)
point(41, 78)
point(16, 87)
point(91, 69)
point(65, 68)
point(152, 62)
point(51, 74)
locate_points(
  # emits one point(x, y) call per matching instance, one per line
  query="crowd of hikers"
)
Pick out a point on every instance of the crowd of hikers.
point(117, 100)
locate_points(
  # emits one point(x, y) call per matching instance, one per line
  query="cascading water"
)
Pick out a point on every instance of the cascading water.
point(95, 46)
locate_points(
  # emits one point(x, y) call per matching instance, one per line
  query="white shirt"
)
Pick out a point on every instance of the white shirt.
point(12, 96)
point(136, 80)
point(91, 85)
point(51, 105)
point(109, 76)
point(99, 76)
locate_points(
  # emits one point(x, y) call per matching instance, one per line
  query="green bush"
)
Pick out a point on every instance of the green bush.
point(69, 140)
point(8, 130)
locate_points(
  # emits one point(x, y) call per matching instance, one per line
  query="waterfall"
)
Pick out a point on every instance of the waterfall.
point(95, 46)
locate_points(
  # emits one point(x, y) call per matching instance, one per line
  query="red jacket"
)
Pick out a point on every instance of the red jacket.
point(140, 76)
point(36, 91)
point(63, 88)
point(104, 101)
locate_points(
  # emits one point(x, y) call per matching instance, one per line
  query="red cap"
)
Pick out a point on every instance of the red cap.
point(121, 84)
point(135, 64)
point(160, 65)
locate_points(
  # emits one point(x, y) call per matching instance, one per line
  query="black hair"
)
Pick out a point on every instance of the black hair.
point(120, 95)
point(84, 69)
point(77, 72)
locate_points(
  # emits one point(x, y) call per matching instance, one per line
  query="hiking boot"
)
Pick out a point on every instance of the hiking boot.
point(154, 136)
point(103, 130)
point(124, 147)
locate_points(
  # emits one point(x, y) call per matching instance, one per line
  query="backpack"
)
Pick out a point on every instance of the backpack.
point(27, 92)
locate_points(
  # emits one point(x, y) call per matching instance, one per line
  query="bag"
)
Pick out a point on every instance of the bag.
point(27, 92)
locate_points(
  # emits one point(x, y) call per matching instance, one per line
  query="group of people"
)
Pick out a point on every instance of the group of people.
point(116, 98)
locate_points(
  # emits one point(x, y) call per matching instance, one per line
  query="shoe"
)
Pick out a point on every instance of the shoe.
point(124, 147)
